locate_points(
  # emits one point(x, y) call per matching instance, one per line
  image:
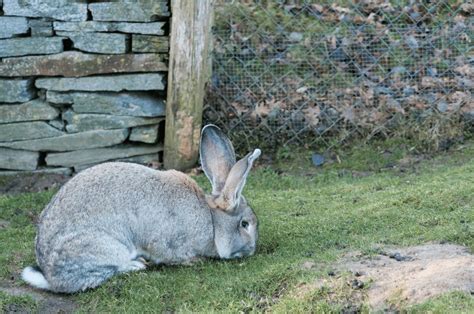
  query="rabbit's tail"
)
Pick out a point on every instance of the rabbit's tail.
point(34, 276)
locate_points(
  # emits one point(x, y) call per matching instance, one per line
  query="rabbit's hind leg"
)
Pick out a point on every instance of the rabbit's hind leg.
point(89, 267)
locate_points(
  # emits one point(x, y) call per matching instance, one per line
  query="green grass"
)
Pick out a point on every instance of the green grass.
point(305, 214)
point(16, 304)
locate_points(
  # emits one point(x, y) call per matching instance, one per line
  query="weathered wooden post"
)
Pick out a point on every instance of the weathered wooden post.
point(190, 37)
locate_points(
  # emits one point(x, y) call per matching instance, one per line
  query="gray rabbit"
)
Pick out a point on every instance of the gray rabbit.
point(116, 217)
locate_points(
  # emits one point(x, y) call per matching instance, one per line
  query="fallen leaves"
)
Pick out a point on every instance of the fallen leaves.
point(295, 69)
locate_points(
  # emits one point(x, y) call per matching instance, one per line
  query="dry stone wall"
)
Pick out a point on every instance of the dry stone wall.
point(81, 82)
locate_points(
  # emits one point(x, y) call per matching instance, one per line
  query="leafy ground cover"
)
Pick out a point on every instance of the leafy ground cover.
point(365, 200)
point(322, 73)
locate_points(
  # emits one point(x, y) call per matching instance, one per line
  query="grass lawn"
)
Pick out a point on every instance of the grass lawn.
point(371, 199)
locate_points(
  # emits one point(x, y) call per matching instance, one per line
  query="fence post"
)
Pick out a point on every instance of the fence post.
point(188, 66)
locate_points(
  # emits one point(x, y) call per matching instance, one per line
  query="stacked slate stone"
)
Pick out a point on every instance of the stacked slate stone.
point(81, 83)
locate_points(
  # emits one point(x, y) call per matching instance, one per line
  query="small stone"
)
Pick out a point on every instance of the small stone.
point(398, 257)
point(26, 131)
point(97, 155)
point(146, 11)
point(137, 104)
point(155, 28)
point(317, 159)
point(105, 43)
point(131, 82)
point(59, 98)
point(90, 121)
point(331, 273)
point(13, 26)
point(15, 47)
point(34, 110)
point(75, 63)
point(357, 284)
point(18, 160)
point(76, 141)
point(144, 134)
point(41, 28)
point(57, 9)
point(4, 223)
point(12, 91)
point(147, 43)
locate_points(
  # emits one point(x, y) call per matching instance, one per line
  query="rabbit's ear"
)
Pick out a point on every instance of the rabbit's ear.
point(230, 195)
point(217, 156)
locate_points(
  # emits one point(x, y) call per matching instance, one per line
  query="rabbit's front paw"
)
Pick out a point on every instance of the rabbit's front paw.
point(134, 265)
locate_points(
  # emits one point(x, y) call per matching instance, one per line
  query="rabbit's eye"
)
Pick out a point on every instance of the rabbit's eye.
point(244, 224)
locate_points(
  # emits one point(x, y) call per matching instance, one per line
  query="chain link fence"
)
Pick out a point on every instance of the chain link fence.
point(319, 73)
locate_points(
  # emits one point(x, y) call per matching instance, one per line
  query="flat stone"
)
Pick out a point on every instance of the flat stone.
point(128, 104)
point(41, 28)
point(30, 46)
point(92, 156)
point(141, 11)
point(16, 90)
point(147, 43)
point(58, 9)
point(142, 160)
point(144, 134)
point(98, 42)
point(18, 160)
point(116, 83)
point(61, 171)
point(75, 63)
point(154, 28)
point(70, 142)
point(59, 98)
point(31, 111)
point(91, 121)
point(57, 124)
point(12, 26)
point(26, 131)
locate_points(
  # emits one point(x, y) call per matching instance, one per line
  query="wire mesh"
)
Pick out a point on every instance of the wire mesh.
point(319, 73)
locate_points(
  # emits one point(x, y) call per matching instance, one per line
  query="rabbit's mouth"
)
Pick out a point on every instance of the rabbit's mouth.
point(237, 255)
point(242, 253)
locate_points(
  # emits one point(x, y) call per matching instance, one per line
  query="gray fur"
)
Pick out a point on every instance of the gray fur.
point(111, 217)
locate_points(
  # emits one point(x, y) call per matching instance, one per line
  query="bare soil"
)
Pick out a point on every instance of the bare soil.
point(47, 302)
point(400, 277)
point(25, 183)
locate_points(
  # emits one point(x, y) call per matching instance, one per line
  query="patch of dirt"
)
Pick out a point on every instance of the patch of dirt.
point(47, 302)
point(412, 275)
point(4, 224)
point(24, 183)
point(400, 277)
